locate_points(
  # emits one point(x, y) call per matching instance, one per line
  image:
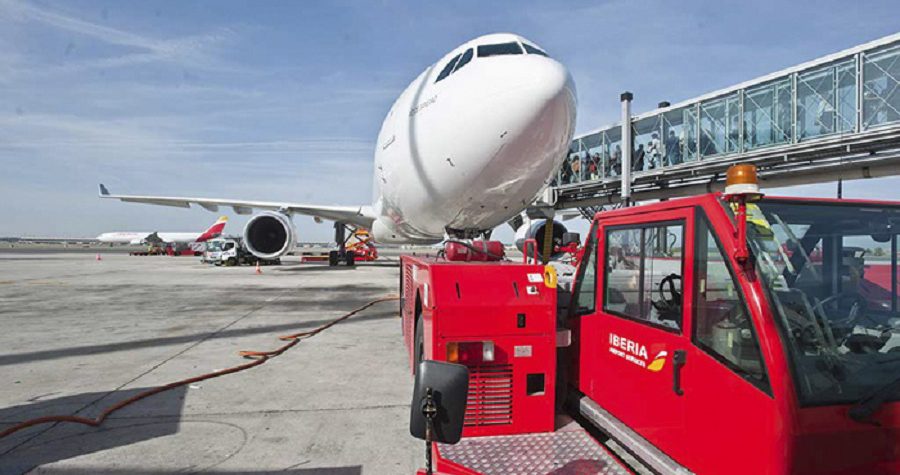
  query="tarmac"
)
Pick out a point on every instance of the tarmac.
point(79, 335)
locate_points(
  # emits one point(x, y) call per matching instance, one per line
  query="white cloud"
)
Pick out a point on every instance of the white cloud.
point(198, 51)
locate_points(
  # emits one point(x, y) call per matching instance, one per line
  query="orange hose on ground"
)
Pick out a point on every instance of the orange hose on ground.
point(262, 356)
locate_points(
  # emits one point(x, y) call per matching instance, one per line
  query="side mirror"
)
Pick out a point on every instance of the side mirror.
point(571, 238)
point(439, 402)
point(881, 237)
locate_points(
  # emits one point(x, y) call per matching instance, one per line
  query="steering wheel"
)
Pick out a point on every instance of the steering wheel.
point(857, 310)
point(669, 308)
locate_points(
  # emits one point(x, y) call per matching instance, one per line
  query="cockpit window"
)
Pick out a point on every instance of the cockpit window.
point(466, 57)
point(533, 50)
point(448, 68)
point(498, 49)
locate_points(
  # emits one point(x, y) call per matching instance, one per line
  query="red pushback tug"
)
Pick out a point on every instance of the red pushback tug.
point(723, 333)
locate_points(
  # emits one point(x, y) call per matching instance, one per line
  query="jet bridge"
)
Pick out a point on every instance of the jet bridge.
point(836, 117)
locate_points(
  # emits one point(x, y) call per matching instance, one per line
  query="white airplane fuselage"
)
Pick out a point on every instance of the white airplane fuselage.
point(142, 237)
point(466, 153)
point(139, 237)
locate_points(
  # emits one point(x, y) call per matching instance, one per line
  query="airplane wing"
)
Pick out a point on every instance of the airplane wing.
point(362, 216)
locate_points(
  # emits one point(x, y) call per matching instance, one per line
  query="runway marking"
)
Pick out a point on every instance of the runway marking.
point(40, 282)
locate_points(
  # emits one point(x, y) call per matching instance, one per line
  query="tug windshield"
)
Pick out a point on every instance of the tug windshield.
point(830, 271)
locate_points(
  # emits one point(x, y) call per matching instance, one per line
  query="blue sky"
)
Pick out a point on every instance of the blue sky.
point(283, 100)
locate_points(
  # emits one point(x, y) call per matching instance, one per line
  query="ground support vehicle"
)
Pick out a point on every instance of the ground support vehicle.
point(313, 257)
point(195, 249)
point(232, 252)
point(152, 250)
point(712, 334)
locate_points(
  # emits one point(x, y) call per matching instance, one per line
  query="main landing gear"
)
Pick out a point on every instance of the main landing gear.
point(341, 236)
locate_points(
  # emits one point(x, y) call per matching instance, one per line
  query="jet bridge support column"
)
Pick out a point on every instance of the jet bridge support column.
point(627, 146)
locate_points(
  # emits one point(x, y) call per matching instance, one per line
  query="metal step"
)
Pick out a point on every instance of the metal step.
point(566, 451)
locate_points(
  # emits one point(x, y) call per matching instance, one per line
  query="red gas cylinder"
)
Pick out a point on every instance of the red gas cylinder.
point(477, 251)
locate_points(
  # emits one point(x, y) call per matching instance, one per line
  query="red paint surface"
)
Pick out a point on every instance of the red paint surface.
point(483, 301)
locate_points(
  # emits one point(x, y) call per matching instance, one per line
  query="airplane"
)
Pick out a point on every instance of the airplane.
point(155, 237)
point(464, 148)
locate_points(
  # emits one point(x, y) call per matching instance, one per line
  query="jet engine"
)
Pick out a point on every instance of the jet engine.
point(269, 235)
point(536, 230)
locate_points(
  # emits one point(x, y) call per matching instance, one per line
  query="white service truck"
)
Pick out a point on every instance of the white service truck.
point(230, 251)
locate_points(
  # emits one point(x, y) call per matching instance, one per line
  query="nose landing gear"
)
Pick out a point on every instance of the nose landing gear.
point(362, 249)
point(335, 258)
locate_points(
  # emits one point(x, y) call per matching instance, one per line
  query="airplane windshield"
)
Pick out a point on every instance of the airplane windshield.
point(533, 50)
point(830, 271)
point(463, 60)
point(448, 68)
point(499, 49)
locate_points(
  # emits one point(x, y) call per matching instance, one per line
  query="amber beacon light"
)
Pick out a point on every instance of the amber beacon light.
point(741, 186)
point(741, 180)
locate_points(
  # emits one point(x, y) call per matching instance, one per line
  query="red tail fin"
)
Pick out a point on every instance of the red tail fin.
point(214, 231)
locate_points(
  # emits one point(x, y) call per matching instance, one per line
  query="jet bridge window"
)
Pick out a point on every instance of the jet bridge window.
point(499, 49)
point(448, 68)
point(533, 50)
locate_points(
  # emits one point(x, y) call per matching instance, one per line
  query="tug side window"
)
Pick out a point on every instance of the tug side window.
point(586, 293)
point(722, 325)
point(623, 271)
point(644, 265)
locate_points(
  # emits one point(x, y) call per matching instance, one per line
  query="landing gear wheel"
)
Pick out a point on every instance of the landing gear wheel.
point(231, 262)
point(350, 258)
point(333, 258)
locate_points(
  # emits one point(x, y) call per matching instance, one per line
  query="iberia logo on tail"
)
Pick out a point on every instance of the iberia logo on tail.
point(658, 361)
point(214, 231)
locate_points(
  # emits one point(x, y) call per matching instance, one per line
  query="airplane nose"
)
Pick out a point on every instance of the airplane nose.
point(537, 90)
point(507, 141)
point(530, 119)
point(548, 80)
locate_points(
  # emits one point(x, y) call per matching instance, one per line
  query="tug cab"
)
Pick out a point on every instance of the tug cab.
point(765, 366)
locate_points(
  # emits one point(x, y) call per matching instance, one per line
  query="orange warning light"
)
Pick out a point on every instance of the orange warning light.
point(741, 180)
